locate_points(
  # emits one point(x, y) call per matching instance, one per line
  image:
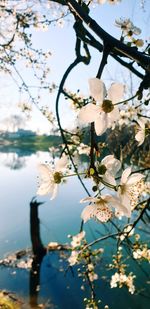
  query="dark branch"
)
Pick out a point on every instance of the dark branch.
point(117, 46)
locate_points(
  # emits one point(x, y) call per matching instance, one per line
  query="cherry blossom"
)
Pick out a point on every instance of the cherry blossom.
point(105, 113)
point(126, 184)
point(51, 177)
point(112, 166)
point(127, 27)
point(76, 240)
point(140, 136)
point(120, 279)
point(142, 253)
point(73, 259)
point(100, 208)
point(109, 1)
point(75, 243)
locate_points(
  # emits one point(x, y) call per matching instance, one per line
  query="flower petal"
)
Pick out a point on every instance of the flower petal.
point(113, 116)
point(97, 89)
point(87, 213)
point(89, 199)
point(112, 164)
point(116, 203)
point(125, 201)
point(106, 160)
point(140, 137)
point(54, 191)
point(101, 124)
point(134, 178)
point(88, 113)
point(44, 188)
point(115, 92)
point(141, 123)
point(103, 213)
point(45, 172)
point(61, 163)
point(125, 175)
point(109, 179)
point(101, 1)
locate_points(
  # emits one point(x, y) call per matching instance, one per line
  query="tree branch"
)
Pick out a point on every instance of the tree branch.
point(117, 46)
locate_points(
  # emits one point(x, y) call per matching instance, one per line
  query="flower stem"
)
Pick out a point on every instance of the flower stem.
point(74, 174)
point(134, 96)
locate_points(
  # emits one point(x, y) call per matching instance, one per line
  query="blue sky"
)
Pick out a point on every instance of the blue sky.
point(61, 42)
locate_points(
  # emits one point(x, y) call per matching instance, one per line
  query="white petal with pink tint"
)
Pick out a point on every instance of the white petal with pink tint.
point(112, 164)
point(134, 178)
point(88, 113)
point(97, 89)
point(115, 92)
point(101, 124)
point(61, 163)
point(125, 175)
point(140, 137)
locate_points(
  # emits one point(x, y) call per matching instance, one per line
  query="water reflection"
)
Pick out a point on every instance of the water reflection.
point(21, 271)
point(41, 276)
point(38, 250)
point(13, 160)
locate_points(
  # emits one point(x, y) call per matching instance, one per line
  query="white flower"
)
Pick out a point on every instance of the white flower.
point(101, 1)
point(124, 118)
point(137, 254)
point(100, 208)
point(76, 240)
point(112, 167)
point(120, 279)
point(73, 259)
point(51, 177)
point(105, 113)
point(114, 280)
point(90, 267)
point(140, 136)
point(113, 1)
point(109, 1)
point(92, 276)
point(83, 149)
point(127, 26)
point(126, 184)
point(128, 231)
point(143, 253)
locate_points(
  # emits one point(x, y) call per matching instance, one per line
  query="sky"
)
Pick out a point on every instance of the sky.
point(60, 41)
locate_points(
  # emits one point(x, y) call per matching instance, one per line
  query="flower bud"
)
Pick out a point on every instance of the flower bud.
point(94, 188)
point(92, 171)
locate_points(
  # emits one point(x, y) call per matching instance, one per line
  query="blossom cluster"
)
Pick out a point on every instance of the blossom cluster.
point(129, 30)
point(120, 280)
point(101, 207)
point(141, 251)
point(127, 232)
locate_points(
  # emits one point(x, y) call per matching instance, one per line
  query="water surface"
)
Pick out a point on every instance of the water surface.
point(58, 218)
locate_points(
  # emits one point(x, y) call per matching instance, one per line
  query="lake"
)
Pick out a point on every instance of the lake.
point(59, 287)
